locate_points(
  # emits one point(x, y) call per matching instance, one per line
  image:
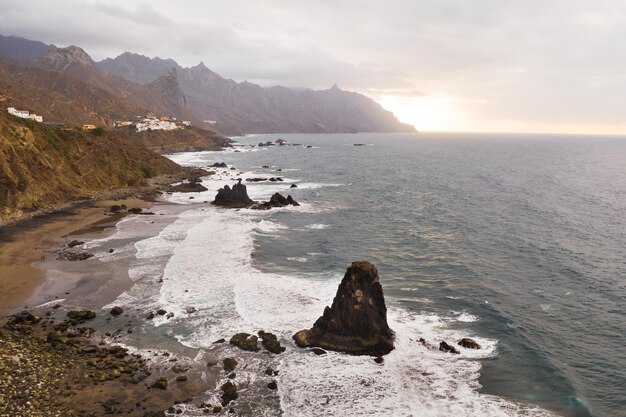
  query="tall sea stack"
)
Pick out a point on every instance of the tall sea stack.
point(356, 323)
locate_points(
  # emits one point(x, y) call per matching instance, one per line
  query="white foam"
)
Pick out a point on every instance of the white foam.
point(465, 317)
point(317, 226)
point(301, 259)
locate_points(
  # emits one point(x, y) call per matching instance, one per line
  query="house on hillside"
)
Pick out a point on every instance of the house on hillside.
point(24, 114)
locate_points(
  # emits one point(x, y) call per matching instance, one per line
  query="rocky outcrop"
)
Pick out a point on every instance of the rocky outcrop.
point(236, 197)
point(245, 341)
point(193, 186)
point(468, 343)
point(444, 347)
point(277, 200)
point(356, 323)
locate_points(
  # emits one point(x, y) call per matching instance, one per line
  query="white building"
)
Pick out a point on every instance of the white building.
point(24, 114)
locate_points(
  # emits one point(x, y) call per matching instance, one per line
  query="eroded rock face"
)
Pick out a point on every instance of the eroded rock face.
point(236, 197)
point(356, 323)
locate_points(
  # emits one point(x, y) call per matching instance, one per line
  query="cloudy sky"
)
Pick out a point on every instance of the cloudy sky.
point(473, 65)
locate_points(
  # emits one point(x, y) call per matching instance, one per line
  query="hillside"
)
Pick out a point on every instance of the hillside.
point(40, 167)
point(59, 97)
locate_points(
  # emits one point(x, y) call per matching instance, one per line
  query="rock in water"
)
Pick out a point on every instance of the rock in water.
point(468, 343)
point(236, 197)
point(356, 323)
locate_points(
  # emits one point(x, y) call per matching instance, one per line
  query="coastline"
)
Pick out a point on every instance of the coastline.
point(28, 242)
point(34, 236)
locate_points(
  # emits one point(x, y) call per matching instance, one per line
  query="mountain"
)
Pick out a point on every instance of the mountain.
point(138, 68)
point(20, 49)
point(40, 167)
point(249, 108)
point(199, 94)
point(162, 96)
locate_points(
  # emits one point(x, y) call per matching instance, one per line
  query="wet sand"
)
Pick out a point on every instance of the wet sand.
point(28, 242)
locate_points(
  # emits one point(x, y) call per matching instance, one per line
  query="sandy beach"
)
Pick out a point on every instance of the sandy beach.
point(28, 242)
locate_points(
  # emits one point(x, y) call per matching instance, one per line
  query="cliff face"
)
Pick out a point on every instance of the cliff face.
point(40, 167)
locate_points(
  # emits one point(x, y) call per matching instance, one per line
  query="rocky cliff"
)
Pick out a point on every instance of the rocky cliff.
point(40, 167)
point(356, 322)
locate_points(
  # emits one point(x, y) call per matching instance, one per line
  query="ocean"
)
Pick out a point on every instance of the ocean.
point(516, 241)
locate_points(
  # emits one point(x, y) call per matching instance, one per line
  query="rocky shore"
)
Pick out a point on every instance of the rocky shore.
point(155, 186)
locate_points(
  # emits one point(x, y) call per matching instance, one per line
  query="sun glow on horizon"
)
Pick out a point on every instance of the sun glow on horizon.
point(428, 113)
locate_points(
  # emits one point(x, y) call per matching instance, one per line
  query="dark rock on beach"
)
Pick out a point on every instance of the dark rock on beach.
point(356, 323)
point(245, 341)
point(80, 316)
point(74, 256)
point(116, 311)
point(293, 186)
point(444, 347)
point(219, 165)
point(236, 197)
point(74, 243)
point(468, 343)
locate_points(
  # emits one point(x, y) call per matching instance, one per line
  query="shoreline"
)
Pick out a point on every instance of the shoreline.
point(34, 236)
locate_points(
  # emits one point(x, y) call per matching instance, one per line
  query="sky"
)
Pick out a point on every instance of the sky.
point(555, 66)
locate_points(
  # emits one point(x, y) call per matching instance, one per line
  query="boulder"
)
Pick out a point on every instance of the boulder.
point(270, 342)
point(245, 341)
point(293, 186)
point(256, 179)
point(74, 243)
point(356, 323)
point(116, 311)
point(219, 165)
point(236, 197)
point(229, 393)
point(160, 383)
point(444, 347)
point(466, 342)
point(229, 364)
point(80, 316)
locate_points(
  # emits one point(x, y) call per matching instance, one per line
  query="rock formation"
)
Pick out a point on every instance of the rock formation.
point(277, 200)
point(236, 197)
point(356, 323)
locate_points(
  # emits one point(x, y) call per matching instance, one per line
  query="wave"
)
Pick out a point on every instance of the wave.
point(204, 260)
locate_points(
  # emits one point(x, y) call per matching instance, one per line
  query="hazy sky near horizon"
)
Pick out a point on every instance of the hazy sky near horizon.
point(474, 65)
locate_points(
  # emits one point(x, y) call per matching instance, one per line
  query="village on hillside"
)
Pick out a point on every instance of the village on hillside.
point(149, 122)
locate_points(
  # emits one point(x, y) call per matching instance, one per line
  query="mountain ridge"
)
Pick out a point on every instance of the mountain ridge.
point(205, 97)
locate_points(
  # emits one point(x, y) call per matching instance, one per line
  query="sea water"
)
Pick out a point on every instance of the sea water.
point(516, 241)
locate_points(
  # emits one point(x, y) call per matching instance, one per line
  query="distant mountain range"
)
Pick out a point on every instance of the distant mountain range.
point(133, 83)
